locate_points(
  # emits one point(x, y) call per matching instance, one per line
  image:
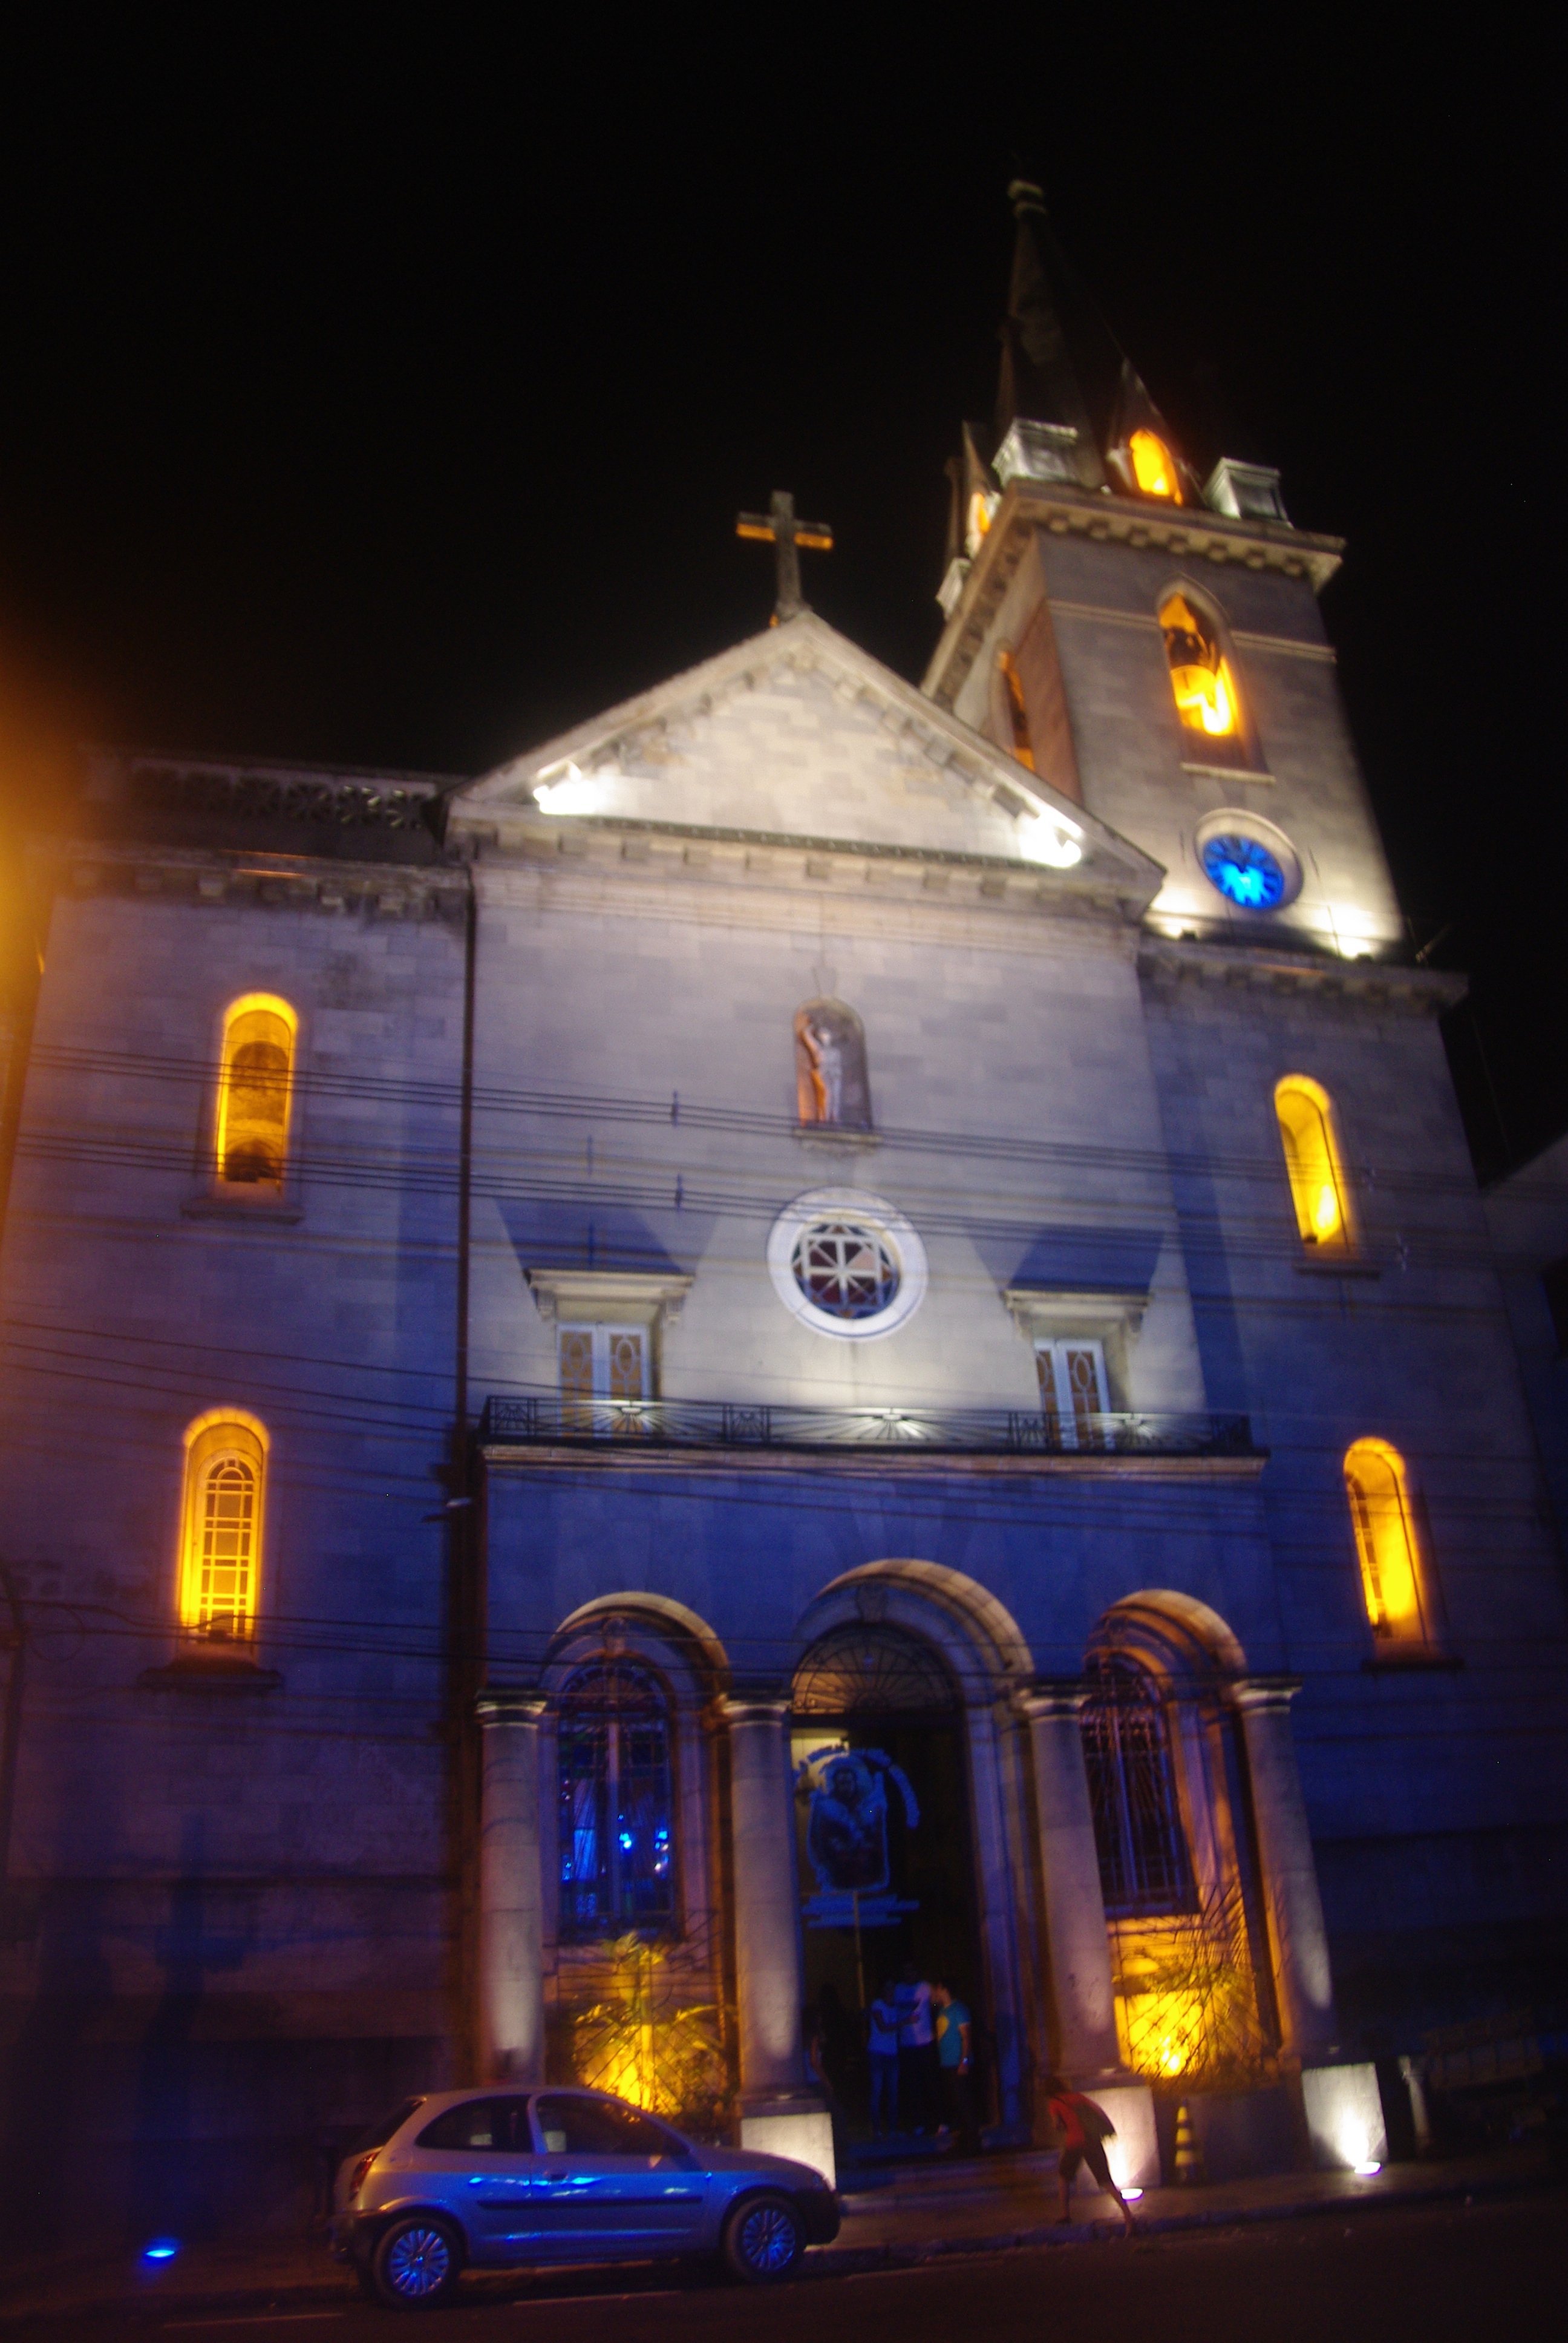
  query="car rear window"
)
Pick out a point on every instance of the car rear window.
point(499, 2125)
point(377, 2134)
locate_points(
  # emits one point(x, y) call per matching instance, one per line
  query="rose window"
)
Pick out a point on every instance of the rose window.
point(845, 1268)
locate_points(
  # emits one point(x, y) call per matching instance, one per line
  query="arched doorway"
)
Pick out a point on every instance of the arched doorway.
point(882, 1805)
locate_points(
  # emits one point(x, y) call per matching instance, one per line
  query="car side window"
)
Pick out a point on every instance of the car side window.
point(499, 2125)
point(569, 2125)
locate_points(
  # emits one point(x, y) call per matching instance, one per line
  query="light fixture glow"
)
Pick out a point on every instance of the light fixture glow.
point(1366, 2167)
point(162, 2249)
point(575, 793)
point(1040, 840)
point(1130, 2196)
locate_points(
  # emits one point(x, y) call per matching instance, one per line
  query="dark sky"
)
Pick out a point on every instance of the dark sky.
point(392, 404)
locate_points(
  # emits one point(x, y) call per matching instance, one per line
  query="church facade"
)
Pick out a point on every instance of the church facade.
point(825, 1325)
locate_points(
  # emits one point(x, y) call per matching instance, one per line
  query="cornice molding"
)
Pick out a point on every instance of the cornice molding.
point(1383, 984)
point(1183, 533)
point(218, 875)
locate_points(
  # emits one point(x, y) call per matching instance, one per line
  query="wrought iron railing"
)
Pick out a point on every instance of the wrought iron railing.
point(733, 1423)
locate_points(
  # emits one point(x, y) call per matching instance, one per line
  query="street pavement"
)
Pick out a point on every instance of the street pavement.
point(1317, 2255)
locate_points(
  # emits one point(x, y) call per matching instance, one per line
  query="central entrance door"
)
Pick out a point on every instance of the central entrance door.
point(881, 1818)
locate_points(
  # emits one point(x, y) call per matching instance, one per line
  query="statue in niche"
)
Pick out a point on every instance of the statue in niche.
point(831, 1082)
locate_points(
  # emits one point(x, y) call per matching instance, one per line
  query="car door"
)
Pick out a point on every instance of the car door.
point(478, 2160)
point(611, 2180)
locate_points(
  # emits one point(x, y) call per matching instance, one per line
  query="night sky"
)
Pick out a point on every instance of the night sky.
point(392, 405)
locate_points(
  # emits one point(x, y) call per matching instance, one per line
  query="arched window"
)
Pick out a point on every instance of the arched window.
point(253, 1093)
point(617, 1846)
point(1386, 1540)
point(220, 1545)
point(831, 1083)
point(1207, 699)
point(1153, 467)
point(1306, 1116)
point(1138, 1834)
point(1014, 709)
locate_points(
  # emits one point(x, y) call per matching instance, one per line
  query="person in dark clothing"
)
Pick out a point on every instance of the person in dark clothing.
point(1084, 2129)
point(955, 2061)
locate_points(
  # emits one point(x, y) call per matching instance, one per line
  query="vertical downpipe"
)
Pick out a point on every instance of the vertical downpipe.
point(465, 1559)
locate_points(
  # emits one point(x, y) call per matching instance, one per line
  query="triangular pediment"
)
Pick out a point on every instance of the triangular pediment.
point(798, 734)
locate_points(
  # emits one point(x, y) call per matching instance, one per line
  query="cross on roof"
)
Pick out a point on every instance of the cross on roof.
point(779, 528)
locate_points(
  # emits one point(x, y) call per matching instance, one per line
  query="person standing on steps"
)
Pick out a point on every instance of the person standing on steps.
point(1084, 2129)
point(955, 2060)
point(882, 2055)
point(918, 2082)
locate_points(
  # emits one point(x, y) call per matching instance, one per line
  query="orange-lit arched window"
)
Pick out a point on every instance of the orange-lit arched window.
point(1386, 1540)
point(1306, 1116)
point(1207, 699)
point(1015, 709)
point(1153, 466)
point(254, 1092)
point(220, 1534)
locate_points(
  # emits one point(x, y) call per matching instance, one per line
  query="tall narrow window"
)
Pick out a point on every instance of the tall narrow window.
point(1306, 1117)
point(254, 1092)
point(1073, 1395)
point(617, 1851)
point(225, 1497)
point(1138, 1833)
point(1015, 709)
point(1207, 699)
point(1386, 1542)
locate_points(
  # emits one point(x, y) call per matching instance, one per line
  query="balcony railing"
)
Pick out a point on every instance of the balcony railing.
point(977, 1432)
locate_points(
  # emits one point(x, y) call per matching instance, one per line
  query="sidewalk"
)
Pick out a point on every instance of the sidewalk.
point(991, 2205)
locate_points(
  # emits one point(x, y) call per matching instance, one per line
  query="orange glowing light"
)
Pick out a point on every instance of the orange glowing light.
point(1306, 1119)
point(1153, 466)
point(1385, 1538)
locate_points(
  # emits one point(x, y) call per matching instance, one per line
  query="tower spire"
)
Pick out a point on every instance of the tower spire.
point(1039, 380)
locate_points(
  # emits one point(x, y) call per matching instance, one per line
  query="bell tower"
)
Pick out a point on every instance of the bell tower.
point(1149, 643)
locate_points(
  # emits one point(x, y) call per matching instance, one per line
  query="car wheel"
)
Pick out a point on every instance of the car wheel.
point(416, 2263)
point(763, 2240)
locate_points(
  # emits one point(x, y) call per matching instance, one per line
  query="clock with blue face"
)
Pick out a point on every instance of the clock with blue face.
point(1244, 871)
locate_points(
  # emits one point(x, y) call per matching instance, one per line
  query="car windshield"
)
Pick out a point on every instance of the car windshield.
point(376, 2135)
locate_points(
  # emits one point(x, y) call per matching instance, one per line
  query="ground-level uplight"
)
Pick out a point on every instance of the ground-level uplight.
point(162, 2249)
point(1366, 2167)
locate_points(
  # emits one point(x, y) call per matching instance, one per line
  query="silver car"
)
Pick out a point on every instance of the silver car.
point(499, 2178)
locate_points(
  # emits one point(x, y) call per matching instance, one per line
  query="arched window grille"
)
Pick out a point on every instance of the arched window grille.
point(1386, 1542)
point(616, 1841)
point(220, 1563)
point(1138, 1834)
point(254, 1092)
point(1306, 1118)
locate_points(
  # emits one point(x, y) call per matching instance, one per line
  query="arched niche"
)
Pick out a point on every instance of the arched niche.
point(832, 1088)
point(1211, 705)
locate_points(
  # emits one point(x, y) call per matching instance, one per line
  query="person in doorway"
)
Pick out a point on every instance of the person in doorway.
point(1084, 2129)
point(883, 2051)
point(955, 2064)
point(918, 2084)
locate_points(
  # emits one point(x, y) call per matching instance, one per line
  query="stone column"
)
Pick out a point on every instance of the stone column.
point(511, 1889)
point(778, 2111)
point(1077, 1946)
point(1298, 1940)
